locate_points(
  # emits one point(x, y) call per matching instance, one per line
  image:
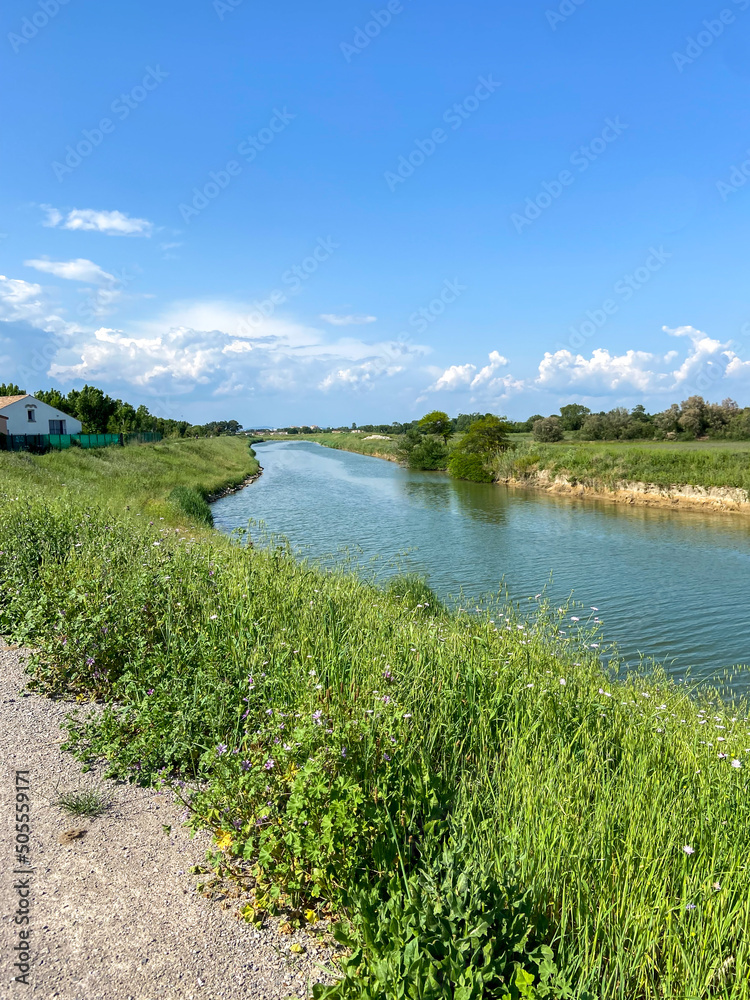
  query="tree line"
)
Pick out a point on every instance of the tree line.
point(101, 414)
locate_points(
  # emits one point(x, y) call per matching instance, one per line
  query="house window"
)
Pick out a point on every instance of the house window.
point(57, 427)
point(31, 415)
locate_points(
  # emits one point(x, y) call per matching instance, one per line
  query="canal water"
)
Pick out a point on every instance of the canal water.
point(668, 586)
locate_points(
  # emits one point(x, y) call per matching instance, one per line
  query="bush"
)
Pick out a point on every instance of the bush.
point(447, 930)
point(429, 455)
point(548, 429)
point(191, 501)
point(469, 466)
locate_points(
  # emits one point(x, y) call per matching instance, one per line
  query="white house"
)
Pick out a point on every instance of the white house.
point(27, 415)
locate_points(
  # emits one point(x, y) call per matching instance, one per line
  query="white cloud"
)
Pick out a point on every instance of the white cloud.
point(463, 376)
point(706, 362)
point(455, 377)
point(89, 219)
point(73, 270)
point(360, 376)
point(212, 344)
point(23, 301)
point(336, 320)
point(485, 375)
point(602, 372)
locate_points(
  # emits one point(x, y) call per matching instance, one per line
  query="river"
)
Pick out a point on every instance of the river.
point(667, 585)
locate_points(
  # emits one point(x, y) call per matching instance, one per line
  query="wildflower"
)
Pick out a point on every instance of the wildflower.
point(690, 906)
point(717, 886)
point(89, 661)
point(407, 715)
point(214, 617)
point(316, 716)
point(246, 765)
point(222, 749)
point(150, 691)
point(563, 681)
point(574, 618)
point(593, 608)
point(688, 849)
point(343, 751)
point(594, 645)
point(736, 763)
point(270, 764)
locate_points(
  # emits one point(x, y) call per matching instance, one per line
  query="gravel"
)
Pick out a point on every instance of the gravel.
point(115, 914)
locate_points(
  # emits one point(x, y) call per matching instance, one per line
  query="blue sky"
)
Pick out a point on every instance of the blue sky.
point(285, 214)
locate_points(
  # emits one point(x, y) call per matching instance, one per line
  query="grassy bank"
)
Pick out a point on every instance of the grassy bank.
point(359, 443)
point(140, 477)
point(707, 464)
point(596, 464)
point(495, 816)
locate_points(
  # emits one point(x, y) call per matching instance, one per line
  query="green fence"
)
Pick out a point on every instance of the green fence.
point(40, 443)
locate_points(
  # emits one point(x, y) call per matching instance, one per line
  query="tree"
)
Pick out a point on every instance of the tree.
point(438, 423)
point(486, 436)
point(10, 389)
point(548, 429)
point(573, 415)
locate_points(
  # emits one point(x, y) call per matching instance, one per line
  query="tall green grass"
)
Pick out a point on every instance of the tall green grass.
point(472, 782)
point(138, 478)
point(609, 464)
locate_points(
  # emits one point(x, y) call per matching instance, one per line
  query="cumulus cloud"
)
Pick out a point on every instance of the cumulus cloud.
point(466, 376)
point(602, 372)
point(336, 320)
point(91, 220)
point(706, 361)
point(360, 376)
point(214, 345)
point(24, 301)
point(73, 270)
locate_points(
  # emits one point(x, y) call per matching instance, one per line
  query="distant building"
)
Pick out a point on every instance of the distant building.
point(27, 415)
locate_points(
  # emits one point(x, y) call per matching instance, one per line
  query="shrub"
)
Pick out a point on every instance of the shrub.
point(191, 501)
point(548, 429)
point(429, 455)
point(470, 466)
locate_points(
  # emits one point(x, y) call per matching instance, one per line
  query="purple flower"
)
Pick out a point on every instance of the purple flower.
point(150, 691)
point(246, 765)
point(222, 749)
point(270, 764)
point(89, 661)
point(343, 751)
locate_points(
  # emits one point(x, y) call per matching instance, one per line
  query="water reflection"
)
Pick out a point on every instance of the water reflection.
point(668, 584)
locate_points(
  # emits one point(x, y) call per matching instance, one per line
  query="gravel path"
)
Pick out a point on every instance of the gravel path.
point(114, 914)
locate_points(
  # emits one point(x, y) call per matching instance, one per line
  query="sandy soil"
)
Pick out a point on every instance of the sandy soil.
point(114, 913)
point(716, 500)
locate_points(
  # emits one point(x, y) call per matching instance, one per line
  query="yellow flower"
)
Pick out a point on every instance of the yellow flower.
point(223, 840)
